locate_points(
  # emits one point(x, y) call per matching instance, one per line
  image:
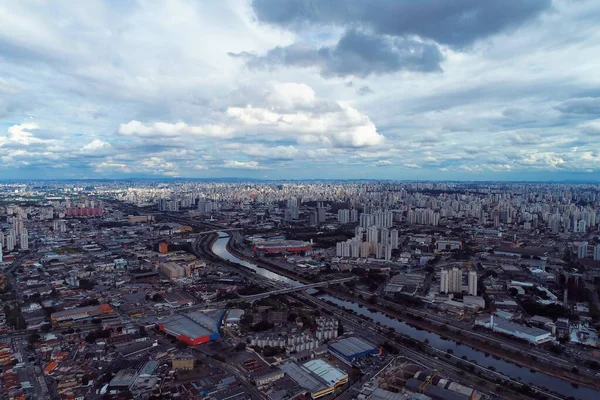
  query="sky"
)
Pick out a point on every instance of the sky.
point(297, 89)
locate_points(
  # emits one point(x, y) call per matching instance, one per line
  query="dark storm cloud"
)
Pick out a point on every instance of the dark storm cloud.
point(357, 53)
point(457, 23)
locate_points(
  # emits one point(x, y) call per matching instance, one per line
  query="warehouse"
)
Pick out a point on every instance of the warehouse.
point(350, 348)
point(531, 334)
point(193, 328)
point(316, 376)
point(333, 376)
point(80, 313)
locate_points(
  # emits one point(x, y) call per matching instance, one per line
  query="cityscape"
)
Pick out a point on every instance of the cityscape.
point(299, 200)
point(310, 289)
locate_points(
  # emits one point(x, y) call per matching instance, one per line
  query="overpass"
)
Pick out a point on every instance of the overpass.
point(259, 296)
point(220, 230)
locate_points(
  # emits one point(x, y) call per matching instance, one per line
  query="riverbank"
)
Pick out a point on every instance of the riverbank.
point(516, 358)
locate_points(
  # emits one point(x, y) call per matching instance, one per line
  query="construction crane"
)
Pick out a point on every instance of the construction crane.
point(428, 381)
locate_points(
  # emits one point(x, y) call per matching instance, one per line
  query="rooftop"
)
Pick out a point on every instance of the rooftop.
point(352, 345)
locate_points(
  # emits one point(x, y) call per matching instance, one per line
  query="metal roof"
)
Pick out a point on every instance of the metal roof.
point(304, 377)
point(191, 325)
point(325, 371)
point(352, 345)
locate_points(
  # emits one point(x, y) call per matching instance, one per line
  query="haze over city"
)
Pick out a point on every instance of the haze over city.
point(272, 89)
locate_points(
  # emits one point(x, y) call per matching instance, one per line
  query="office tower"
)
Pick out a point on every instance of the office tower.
point(455, 280)
point(1, 237)
point(472, 283)
point(597, 252)
point(444, 281)
point(582, 250)
point(394, 238)
point(24, 244)
point(292, 202)
point(1, 254)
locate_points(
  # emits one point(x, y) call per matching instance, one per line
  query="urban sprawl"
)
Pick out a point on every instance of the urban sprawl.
point(227, 290)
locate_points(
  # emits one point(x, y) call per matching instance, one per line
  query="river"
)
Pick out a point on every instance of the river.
point(522, 374)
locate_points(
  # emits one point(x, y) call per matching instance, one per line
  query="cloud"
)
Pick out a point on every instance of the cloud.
point(286, 111)
point(382, 163)
point(455, 23)
point(364, 90)
point(243, 165)
point(356, 54)
point(580, 106)
point(96, 145)
point(20, 134)
point(119, 89)
point(165, 130)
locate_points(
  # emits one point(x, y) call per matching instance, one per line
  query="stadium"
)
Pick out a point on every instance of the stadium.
point(282, 246)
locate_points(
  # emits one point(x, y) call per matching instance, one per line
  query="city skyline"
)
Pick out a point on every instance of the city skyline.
point(265, 89)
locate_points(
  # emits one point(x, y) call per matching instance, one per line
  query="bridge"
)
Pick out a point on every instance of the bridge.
point(259, 296)
point(220, 230)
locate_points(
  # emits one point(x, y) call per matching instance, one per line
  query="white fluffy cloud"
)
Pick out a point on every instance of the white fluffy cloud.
point(149, 88)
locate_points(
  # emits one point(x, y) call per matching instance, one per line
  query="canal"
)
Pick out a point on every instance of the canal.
point(522, 374)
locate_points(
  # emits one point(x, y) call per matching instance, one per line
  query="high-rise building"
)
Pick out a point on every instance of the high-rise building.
point(597, 252)
point(455, 280)
point(11, 241)
point(24, 239)
point(373, 234)
point(343, 216)
point(472, 283)
point(1, 254)
point(353, 215)
point(321, 215)
point(582, 250)
point(444, 281)
point(394, 238)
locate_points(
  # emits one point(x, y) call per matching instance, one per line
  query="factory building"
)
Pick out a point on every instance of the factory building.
point(350, 348)
point(80, 313)
point(531, 334)
point(316, 376)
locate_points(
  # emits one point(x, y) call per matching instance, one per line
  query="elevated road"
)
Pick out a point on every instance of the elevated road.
point(259, 296)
